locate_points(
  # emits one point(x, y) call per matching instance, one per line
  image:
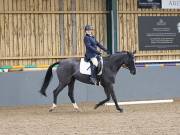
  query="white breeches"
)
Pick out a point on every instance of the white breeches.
point(94, 61)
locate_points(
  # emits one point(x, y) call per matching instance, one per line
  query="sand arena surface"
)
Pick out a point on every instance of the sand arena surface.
point(154, 119)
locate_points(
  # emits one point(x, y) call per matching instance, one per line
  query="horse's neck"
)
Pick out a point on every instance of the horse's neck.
point(115, 62)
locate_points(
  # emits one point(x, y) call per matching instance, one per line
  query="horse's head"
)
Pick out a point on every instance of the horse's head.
point(129, 62)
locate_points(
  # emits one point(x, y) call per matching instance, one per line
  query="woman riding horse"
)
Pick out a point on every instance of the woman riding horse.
point(68, 71)
point(91, 51)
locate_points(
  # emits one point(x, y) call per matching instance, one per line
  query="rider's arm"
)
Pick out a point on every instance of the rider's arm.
point(88, 45)
point(101, 46)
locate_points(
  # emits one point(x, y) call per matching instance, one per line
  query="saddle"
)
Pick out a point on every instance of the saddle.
point(85, 66)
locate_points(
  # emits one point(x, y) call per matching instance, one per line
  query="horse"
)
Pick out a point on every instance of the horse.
point(68, 70)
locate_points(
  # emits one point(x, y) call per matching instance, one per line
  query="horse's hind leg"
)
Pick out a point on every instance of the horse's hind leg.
point(104, 101)
point(71, 94)
point(55, 93)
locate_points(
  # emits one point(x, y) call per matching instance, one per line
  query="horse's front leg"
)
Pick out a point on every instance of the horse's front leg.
point(106, 90)
point(114, 99)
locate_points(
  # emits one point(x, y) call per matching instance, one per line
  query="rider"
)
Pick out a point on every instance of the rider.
point(91, 51)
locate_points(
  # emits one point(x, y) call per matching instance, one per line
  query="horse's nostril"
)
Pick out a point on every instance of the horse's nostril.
point(133, 72)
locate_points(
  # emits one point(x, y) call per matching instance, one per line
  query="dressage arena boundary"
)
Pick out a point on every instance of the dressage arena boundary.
point(142, 102)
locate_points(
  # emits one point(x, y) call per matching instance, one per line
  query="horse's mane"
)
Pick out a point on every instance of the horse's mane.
point(116, 53)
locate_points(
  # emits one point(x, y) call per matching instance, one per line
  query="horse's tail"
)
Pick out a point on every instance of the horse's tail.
point(47, 79)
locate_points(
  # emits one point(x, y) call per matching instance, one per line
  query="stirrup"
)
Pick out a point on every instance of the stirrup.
point(98, 83)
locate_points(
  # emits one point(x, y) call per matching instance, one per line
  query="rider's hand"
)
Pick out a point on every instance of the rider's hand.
point(99, 53)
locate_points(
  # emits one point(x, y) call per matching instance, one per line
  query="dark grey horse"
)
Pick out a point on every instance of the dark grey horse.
point(68, 72)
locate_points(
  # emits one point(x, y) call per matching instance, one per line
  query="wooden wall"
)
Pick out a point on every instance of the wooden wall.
point(42, 31)
point(128, 30)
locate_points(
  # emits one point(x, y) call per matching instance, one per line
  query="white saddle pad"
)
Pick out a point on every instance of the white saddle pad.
point(85, 67)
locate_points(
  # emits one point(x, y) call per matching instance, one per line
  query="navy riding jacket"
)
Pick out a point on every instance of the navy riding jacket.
point(91, 46)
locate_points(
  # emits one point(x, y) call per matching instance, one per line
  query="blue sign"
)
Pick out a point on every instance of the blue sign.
point(149, 3)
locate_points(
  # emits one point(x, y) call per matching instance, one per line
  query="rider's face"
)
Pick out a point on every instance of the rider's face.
point(89, 32)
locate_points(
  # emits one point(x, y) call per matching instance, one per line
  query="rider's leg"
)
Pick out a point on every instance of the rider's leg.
point(93, 70)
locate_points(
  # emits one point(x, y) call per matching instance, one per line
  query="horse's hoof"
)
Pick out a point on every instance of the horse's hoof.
point(96, 106)
point(50, 110)
point(77, 110)
point(120, 110)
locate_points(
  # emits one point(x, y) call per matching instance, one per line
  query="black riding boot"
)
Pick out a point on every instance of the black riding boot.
point(93, 75)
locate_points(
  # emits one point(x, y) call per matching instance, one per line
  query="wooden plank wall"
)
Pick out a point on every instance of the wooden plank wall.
point(128, 30)
point(42, 31)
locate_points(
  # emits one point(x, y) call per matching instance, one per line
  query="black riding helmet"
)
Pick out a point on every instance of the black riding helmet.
point(88, 27)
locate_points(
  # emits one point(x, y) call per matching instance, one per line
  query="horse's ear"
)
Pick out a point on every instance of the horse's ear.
point(124, 51)
point(134, 52)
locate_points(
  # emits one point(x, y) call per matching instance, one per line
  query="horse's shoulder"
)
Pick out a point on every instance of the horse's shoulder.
point(106, 60)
